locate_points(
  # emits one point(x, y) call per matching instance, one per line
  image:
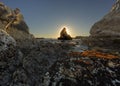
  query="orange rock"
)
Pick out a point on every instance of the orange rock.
point(93, 53)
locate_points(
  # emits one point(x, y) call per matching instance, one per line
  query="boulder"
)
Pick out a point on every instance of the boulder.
point(64, 35)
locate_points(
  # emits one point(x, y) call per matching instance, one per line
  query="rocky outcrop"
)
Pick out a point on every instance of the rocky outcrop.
point(106, 32)
point(13, 22)
point(109, 24)
point(64, 35)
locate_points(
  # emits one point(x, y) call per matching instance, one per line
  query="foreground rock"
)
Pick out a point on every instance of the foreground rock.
point(64, 35)
point(50, 64)
point(10, 59)
point(28, 66)
point(83, 71)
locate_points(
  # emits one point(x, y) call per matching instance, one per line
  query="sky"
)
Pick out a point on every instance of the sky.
point(46, 18)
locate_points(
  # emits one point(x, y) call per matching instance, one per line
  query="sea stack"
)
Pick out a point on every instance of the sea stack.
point(64, 35)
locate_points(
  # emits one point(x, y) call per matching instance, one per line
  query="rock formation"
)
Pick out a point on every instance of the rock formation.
point(18, 29)
point(109, 24)
point(64, 35)
point(106, 32)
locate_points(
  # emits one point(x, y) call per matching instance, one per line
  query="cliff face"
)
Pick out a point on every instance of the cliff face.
point(106, 32)
point(109, 24)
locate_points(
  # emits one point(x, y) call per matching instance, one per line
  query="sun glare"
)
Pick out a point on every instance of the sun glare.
point(67, 29)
